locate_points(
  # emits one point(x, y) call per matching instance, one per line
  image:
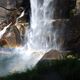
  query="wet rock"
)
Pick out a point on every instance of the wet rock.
point(26, 5)
point(59, 26)
point(72, 34)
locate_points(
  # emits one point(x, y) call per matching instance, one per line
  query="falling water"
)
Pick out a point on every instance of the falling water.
point(42, 34)
point(40, 38)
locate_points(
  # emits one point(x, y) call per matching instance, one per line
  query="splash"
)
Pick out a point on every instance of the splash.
point(18, 60)
point(40, 38)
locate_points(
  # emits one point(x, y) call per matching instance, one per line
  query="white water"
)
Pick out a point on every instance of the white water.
point(42, 34)
point(41, 38)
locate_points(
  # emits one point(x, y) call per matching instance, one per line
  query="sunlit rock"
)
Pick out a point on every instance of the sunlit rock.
point(4, 43)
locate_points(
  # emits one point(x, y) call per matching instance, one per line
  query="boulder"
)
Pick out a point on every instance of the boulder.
point(53, 55)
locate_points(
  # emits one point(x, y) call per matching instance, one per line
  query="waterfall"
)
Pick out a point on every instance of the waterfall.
point(42, 34)
point(40, 38)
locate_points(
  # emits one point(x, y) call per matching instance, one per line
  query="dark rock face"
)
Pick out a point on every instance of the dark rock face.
point(26, 5)
point(59, 27)
point(63, 8)
point(72, 34)
point(67, 25)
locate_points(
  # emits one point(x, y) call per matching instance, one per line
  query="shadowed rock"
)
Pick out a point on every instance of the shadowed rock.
point(72, 34)
point(63, 8)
